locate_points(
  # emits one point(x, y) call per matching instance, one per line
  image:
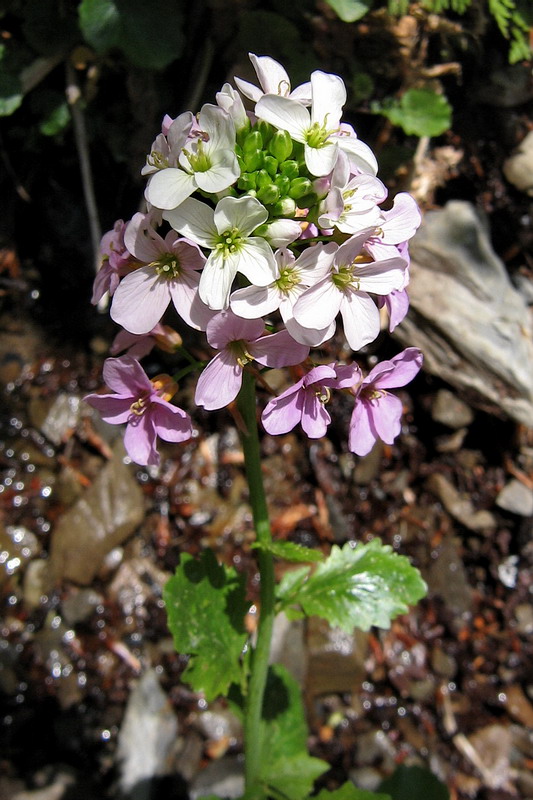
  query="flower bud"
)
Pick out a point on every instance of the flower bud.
point(307, 201)
point(253, 160)
point(285, 207)
point(252, 142)
point(280, 145)
point(168, 339)
point(263, 178)
point(247, 181)
point(290, 169)
point(283, 183)
point(300, 187)
point(271, 165)
point(268, 194)
point(265, 130)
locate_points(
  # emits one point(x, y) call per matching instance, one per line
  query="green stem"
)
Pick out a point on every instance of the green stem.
point(253, 725)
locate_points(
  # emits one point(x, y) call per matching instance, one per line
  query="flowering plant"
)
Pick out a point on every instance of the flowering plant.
point(262, 227)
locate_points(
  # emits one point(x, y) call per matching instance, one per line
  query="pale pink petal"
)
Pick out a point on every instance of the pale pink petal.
point(227, 327)
point(310, 336)
point(402, 220)
point(281, 232)
point(187, 302)
point(362, 435)
point(136, 345)
point(169, 187)
point(381, 277)
point(107, 280)
point(397, 305)
point(195, 220)
point(141, 300)
point(179, 130)
point(171, 423)
point(283, 413)
point(244, 213)
point(360, 155)
point(142, 240)
point(349, 251)
point(407, 364)
point(271, 74)
point(278, 350)
point(360, 319)
point(219, 383)
point(189, 254)
point(286, 114)
point(315, 417)
point(386, 414)
point(253, 302)
point(112, 407)
point(140, 438)
point(347, 375)
point(125, 376)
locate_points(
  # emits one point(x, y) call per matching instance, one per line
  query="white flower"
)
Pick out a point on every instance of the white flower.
point(274, 80)
point(315, 130)
point(166, 147)
point(207, 161)
point(345, 289)
point(352, 202)
point(231, 102)
point(226, 232)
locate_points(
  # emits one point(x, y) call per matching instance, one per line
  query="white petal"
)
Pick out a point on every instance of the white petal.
point(321, 160)
point(282, 232)
point(329, 96)
point(284, 113)
point(248, 89)
point(244, 213)
point(381, 277)
point(195, 220)
point(218, 124)
point(255, 259)
point(187, 302)
point(272, 76)
point(141, 239)
point(302, 93)
point(360, 319)
point(223, 172)
point(312, 338)
point(253, 302)
point(319, 305)
point(359, 153)
point(169, 187)
point(140, 300)
point(215, 281)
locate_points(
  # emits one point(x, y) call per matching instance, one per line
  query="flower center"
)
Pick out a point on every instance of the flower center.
point(288, 279)
point(167, 266)
point(345, 278)
point(323, 394)
point(140, 405)
point(157, 159)
point(229, 242)
point(198, 159)
point(238, 349)
point(316, 135)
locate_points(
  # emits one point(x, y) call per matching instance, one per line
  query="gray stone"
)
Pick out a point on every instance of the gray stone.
point(147, 737)
point(473, 326)
point(450, 410)
point(221, 778)
point(517, 498)
point(106, 514)
point(518, 168)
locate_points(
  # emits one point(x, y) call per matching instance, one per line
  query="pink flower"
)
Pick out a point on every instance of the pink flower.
point(377, 413)
point(143, 404)
point(116, 260)
point(306, 400)
point(169, 272)
point(241, 341)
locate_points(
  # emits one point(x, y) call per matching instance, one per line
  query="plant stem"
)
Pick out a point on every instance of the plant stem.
point(253, 725)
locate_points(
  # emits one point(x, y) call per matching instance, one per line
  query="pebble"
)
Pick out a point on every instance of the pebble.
point(524, 618)
point(518, 168)
point(516, 498)
point(450, 410)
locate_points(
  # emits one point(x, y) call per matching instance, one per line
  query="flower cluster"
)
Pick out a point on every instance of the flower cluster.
point(262, 228)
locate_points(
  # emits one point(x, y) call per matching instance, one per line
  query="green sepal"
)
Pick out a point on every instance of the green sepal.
point(254, 160)
point(247, 181)
point(268, 194)
point(356, 587)
point(252, 141)
point(283, 183)
point(263, 178)
point(290, 169)
point(212, 629)
point(271, 165)
point(300, 187)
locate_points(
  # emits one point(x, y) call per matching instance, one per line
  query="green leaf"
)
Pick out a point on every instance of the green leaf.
point(350, 10)
point(414, 783)
point(350, 792)
point(288, 771)
point(206, 607)
point(50, 26)
point(356, 587)
point(420, 112)
point(56, 121)
point(10, 94)
point(149, 34)
point(291, 551)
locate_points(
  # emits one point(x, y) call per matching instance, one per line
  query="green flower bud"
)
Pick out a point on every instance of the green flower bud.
point(253, 141)
point(280, 145)
point(300, 187)
point(265, 130)
point(268, 194)
point(283, 183)
point(254, 160)
point(307, 201)
point(290, 169)
point(247, 181)
point(285, 207)
point(271, 165)
point(263, 179)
